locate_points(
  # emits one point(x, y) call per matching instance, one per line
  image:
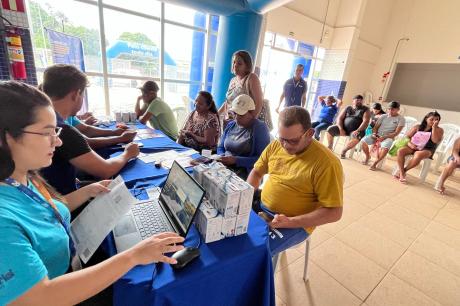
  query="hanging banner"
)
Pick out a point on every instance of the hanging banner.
point(67, 49)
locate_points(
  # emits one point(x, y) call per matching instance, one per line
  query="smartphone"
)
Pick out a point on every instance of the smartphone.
point(265, 216)
point(201, 160)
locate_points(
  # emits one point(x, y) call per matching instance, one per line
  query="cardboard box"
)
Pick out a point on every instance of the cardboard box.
point(241, 226)
point(228, 226)
point(198, 172)
point(246, 195)
point(225, 197)
point(209, 222)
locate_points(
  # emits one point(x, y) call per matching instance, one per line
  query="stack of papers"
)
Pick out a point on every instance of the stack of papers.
point(147, 134)
point(99, 218)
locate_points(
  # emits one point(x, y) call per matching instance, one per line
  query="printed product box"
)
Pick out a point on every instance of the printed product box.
point(198, 171)
point(226, 198)
point(209, 222)
point(246, 196)
point(241, 226)
point(228, 226)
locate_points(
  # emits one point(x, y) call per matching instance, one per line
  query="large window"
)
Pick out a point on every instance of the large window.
point(280, 55)
point(132, 47)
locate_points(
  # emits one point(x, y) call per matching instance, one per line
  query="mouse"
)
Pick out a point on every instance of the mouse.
point(185, 256)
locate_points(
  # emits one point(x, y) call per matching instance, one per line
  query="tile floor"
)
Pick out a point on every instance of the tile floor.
point(395, 245)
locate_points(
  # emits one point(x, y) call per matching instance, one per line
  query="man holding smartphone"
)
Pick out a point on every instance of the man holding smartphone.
point(305, 183)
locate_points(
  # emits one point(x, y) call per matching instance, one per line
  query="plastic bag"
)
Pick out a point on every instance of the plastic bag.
point(420, 139)
point(398, 144)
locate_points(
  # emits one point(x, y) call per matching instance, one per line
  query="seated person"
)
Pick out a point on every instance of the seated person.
point(385, 130)
point(65, 85)
point(97, 138)
point(329, 108)
point(244, 138)
point(424, 139)
point(376, 112)
point(36, 248)
point(202, 127)
point(87, 118)
point(453, 162)
point(155, 110)
point(305, 183)
point(352, 121)
point(100, 138)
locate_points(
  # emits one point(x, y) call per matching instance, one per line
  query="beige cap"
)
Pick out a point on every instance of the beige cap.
point(242, 104)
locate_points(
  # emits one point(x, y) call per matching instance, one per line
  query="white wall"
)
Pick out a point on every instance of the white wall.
point(290, 23)
point(366, 50)
point(434, 31)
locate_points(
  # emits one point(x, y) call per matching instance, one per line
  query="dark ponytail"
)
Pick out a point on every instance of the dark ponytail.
point(18, 107)
point(424, 123)
point(209, 101)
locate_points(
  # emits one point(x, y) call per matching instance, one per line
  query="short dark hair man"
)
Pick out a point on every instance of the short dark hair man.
point(305, 183)
point(60, 80)
point(65, 85)
point(156, 111)
point(352, 121)
point(294, 90)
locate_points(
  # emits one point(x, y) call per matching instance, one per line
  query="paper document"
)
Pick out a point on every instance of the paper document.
point(99, 218)
point(183, 161)
point(188, 152)
point(160, 156)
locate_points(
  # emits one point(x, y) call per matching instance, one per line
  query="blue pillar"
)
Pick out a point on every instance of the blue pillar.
point(196, 65)
point(238, 31)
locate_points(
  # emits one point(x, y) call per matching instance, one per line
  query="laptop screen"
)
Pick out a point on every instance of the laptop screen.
point(182, 195)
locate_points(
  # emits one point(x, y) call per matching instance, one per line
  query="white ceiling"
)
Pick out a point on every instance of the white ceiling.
point(316, 9)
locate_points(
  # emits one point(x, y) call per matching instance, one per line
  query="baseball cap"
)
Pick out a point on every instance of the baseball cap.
point(393, 104)
point(242, 104)
point(149, 86)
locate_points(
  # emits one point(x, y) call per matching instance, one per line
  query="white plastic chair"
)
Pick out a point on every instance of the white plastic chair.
point(409, 123)
point(181, 115)
point(305, 265)
point(426, 165)
point(451, 132)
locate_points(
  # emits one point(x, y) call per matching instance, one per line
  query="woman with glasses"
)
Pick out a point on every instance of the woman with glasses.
point(36, 249)
point(244, 138)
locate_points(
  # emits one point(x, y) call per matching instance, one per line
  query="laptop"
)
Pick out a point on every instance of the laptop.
point(173, 211)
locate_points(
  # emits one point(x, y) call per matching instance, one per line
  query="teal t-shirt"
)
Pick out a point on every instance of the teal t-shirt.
point(163, 118)
point(72, 121)
point(33, 243)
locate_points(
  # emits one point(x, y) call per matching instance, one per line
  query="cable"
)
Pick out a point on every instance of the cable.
point(9, 22)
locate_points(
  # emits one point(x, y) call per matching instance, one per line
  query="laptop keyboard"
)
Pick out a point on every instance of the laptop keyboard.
point(150, 219)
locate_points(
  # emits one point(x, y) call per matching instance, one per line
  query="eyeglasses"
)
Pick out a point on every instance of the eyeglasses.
point(52, 136)
point(292, 141)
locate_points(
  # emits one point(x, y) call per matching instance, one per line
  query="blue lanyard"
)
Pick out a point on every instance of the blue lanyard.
point(34, 196)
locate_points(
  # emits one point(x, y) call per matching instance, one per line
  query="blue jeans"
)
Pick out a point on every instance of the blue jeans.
point(319, 126)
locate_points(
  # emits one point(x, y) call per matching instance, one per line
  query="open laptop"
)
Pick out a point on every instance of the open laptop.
point(173, 211)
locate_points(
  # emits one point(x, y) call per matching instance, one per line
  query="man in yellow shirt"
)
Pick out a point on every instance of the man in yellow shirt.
point(305, 184)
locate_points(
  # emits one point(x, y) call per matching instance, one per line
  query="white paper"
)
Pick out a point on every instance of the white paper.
point(188, 152)
point(183, 161)
point(160, 156)
point(153, 193)
point(99, 218)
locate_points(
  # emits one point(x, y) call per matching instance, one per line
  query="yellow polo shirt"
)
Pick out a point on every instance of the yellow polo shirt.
point(299, 184)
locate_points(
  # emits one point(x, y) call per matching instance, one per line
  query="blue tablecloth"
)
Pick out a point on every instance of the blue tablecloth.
point(233, 271)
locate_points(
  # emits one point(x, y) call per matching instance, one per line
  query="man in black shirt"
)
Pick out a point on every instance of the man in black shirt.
point(65, 85)
point(352, 121)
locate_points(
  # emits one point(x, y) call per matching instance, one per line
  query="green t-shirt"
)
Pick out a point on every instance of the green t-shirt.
point(163, 118)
